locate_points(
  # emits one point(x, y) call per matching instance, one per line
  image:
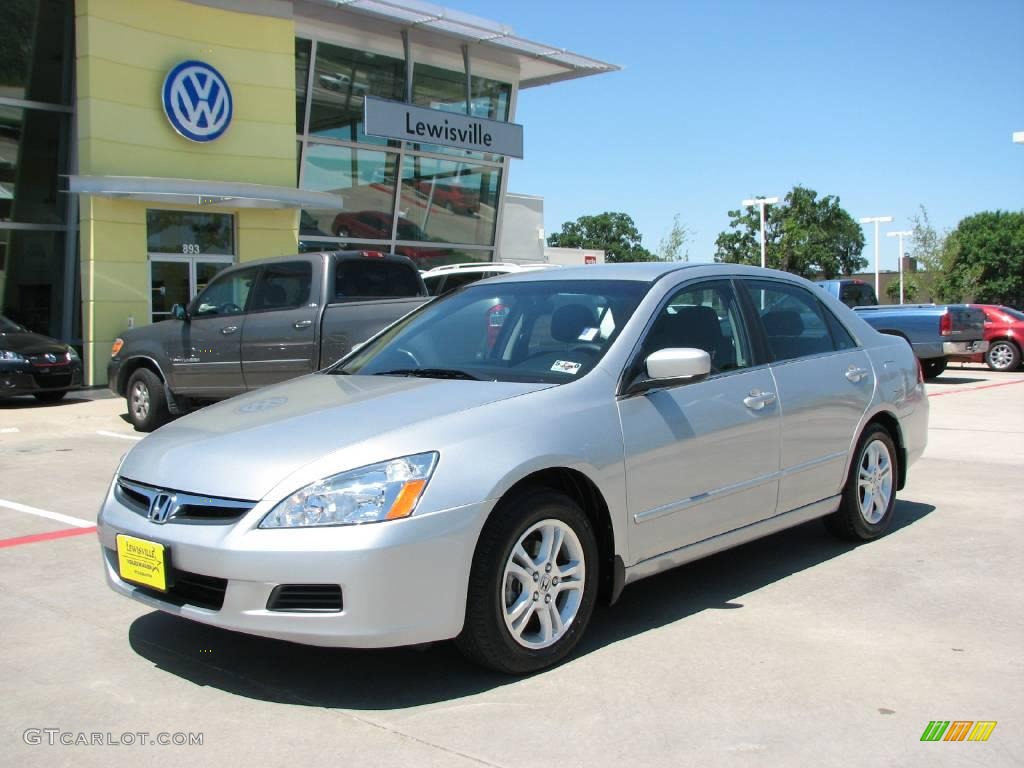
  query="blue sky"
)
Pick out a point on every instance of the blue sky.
point(887, 104)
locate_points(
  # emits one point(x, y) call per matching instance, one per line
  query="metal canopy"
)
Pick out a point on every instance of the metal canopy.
point(540, 64)
point(231, 194)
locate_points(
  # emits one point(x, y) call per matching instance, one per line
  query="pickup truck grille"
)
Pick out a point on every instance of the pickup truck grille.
point(183, 507)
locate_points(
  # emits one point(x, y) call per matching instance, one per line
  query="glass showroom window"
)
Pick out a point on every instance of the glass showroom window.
point(342, 79)
point(365, 181)
point(303, 49)
point(490, 99)
point(451, 201)
point(427, 257)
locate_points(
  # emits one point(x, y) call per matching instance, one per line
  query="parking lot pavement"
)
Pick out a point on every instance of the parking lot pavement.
point(795, 650)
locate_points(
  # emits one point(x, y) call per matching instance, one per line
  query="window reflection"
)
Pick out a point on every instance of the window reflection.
point(302, 53)
point(435, 256)
point(450, 200)
point(33, 152)
point(364, 179)
point(341, 80)
point(35, 40)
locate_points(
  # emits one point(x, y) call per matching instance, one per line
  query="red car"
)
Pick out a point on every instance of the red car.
point(1004, 332)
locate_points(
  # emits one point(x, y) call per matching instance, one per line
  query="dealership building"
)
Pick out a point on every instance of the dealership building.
point(147, 144)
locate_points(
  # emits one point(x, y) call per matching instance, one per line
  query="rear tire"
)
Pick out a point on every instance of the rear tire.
point(933, 367)
point(869, 496)
point(49, 397)
point(532, 585)
point(147, 401)
point(1003, 355)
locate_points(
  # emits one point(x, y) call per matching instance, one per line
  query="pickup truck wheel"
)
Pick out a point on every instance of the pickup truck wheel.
point(532, 585)
point(933, 367)
point(1003, 355)
point(869, 496)
point(147, 403)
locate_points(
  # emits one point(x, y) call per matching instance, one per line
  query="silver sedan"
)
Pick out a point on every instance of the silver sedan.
point(491, 465)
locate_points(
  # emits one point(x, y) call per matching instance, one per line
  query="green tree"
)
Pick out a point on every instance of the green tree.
point(804, 234)
point(928, 248)
point(673, 246)
point(614, 233)
point(984, 259)
point(911, 288)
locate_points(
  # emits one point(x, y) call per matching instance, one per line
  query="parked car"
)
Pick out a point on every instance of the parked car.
point(441, 280)
point(33, 364)
point(1004, 332)
point(435, 485)
point(260, 323)
point(453, 197)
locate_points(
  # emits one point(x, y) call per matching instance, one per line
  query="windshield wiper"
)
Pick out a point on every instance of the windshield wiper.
point(429, 373)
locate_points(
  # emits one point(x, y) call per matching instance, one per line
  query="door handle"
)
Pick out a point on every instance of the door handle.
point(856, 374)
point(758, 400)
point(300, 324)
point(227, 330)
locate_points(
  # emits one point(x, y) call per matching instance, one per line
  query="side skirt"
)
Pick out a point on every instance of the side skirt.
point(723, 541)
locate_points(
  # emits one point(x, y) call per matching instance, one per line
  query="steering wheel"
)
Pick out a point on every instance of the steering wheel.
point(228, 308)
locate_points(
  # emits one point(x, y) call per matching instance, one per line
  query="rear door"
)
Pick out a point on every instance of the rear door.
point(279, 341)
point(205, 353)
point(824, 381)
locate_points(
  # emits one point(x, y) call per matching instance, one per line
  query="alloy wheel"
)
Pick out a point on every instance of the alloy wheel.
point(875, 481)
point(140, 401)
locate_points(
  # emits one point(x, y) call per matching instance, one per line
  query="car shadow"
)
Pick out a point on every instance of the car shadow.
point(20, 402)
point(398, 678)
point(954, 380)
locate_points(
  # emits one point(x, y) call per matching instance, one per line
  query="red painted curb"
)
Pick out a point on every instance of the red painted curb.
point(975, 389)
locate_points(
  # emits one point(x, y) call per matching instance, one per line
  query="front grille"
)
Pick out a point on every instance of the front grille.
point(185, 507)
point(305, 598)
point(192, 589)
point(53, 380)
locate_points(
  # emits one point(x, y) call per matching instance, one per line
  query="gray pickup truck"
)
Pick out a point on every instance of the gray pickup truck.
point(257, 324)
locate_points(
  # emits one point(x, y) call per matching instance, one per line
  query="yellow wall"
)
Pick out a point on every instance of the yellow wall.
point(125, 49)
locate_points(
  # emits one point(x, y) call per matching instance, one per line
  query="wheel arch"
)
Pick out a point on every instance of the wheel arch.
point(891, 424)
point(585, 492)
point(131, 365)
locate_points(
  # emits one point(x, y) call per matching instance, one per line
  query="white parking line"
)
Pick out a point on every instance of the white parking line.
point(8, 430)
point(75, 521)
point(117, 434)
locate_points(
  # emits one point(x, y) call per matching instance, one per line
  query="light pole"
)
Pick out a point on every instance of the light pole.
point(876, 220)
point(761, 202)
point(901, 234)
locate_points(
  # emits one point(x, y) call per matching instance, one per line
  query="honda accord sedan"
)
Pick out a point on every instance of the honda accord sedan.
point(491, 465)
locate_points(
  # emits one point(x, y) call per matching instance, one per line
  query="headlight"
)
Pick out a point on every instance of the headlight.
point(72, 353)
point(6, 354)
point(385, 491)
point(116, 347)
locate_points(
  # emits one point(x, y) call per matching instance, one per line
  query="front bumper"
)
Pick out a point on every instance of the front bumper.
point(402, 582)
point(24, 378)
point(113, 375)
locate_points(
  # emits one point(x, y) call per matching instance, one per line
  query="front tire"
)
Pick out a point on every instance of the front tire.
point(533, 584)
point(147, 401)
point(1003, 355)
point(869, 496)
point(933, 367)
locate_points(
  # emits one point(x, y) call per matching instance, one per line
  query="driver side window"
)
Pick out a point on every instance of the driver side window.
point(227, 294)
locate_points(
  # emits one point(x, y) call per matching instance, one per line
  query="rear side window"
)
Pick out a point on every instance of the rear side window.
point(369, 279)
point(282, 286)
point(793, 320)
point(857, 295)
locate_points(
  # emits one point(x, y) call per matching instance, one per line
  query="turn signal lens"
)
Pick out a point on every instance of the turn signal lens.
point(116, 347)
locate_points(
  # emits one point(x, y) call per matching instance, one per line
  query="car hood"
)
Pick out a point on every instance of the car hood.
point(243, 447)
point(31, 343)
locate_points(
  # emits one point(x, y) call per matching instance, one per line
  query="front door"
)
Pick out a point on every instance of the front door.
point(701, 459)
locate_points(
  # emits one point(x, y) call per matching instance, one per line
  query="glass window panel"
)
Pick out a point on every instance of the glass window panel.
point(792, 319)
point(33, 279)
point(282, 286)
point(341, 80)
point(428, 258)
point(191, 234)
point(227, 294)
point(490, 98)
point(33, 153)
point(365, 181)
point(35, 47)
point(169, 283)
point(302, 53)
point(450, 200)
point(316, 246)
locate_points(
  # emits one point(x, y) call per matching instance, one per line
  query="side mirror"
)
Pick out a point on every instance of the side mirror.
point(178, 312)
point(673, 366)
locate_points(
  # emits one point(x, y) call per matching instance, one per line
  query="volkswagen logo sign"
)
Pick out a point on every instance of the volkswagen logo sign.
point(197, 101)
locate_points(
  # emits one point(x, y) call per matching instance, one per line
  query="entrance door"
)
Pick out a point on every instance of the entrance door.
point(179, 279)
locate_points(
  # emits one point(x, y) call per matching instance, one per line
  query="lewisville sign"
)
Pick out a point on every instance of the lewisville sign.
point(397, 120)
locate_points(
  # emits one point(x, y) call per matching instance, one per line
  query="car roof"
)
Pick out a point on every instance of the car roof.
point(646, 271)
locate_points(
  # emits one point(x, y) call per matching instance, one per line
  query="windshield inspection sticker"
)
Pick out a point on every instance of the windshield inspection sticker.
point(564, 366)
point(588, 334)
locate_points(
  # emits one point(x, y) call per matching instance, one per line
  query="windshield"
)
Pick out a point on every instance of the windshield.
point(1014, 313)
point(551, 331)
point(9, 326)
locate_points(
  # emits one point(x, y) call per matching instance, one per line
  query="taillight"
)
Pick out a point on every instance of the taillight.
point(495, 319)
point(946, 323)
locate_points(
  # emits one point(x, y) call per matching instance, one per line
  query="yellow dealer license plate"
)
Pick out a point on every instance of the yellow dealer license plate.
point(142, 562)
